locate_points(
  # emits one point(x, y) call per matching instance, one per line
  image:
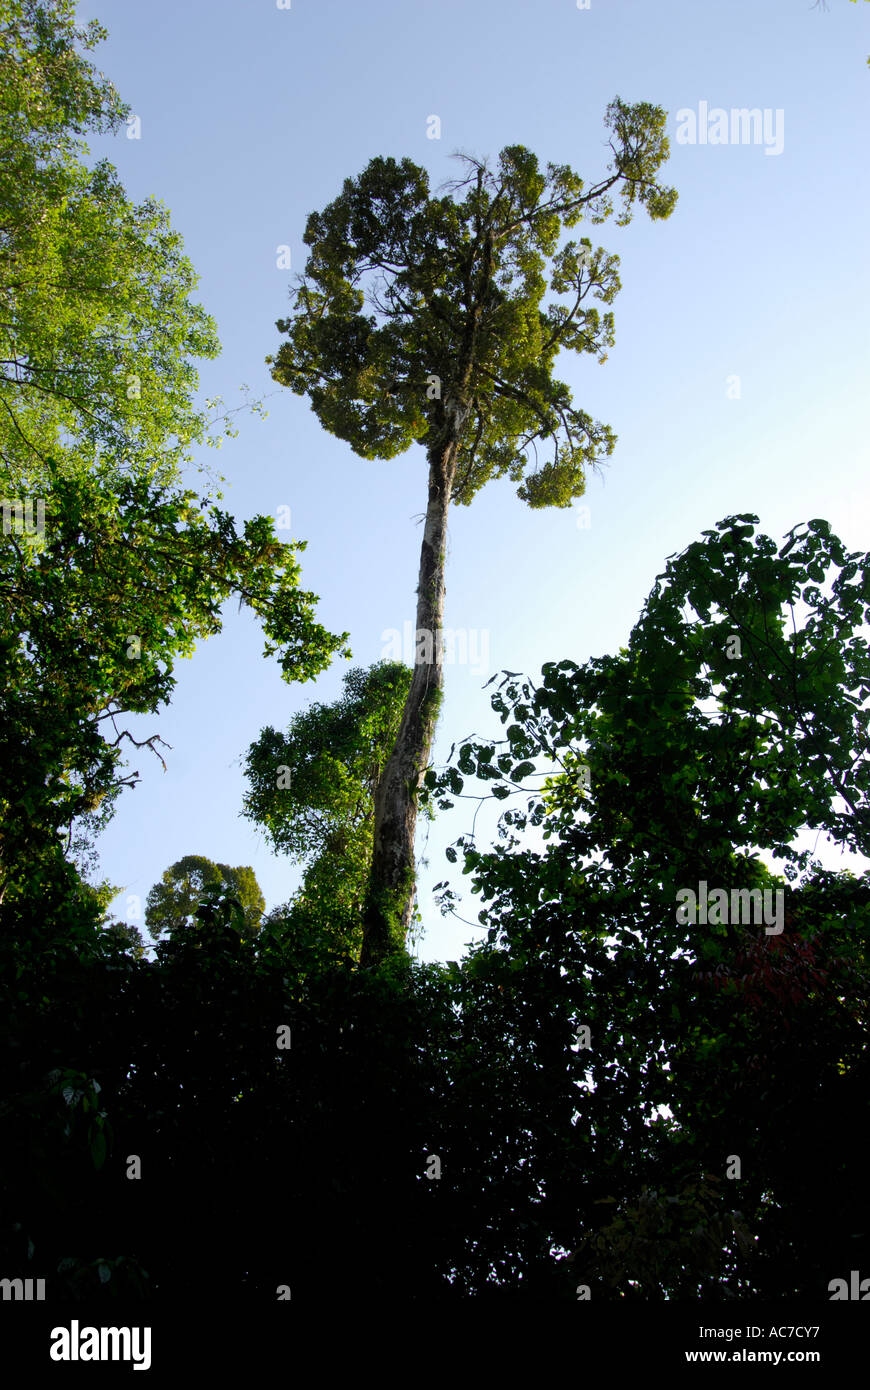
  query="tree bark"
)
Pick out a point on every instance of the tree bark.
point(390, 899)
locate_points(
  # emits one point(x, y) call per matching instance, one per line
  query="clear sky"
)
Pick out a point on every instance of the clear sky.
point(252, 115)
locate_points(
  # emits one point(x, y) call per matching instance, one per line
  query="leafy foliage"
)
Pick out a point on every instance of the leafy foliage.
point(707, 1041)
point(124, 569)
point(566, 1158)
point(94, 617)
point(172, 903)
point(455, 289)
point(98, 329)
point(312, 790)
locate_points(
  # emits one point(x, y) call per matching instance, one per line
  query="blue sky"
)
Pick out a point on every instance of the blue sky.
point(251, 118)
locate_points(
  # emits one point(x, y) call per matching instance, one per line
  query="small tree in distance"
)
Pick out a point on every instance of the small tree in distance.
point(456, 353)
point(172, 903)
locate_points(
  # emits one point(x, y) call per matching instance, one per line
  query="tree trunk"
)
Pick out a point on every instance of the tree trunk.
point(390, 899)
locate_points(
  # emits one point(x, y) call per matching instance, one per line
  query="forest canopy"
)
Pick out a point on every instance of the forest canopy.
point(643, 1079)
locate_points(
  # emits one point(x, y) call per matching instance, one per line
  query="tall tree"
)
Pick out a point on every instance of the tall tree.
point(457, 354)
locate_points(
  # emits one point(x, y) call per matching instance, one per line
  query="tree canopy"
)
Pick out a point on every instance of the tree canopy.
point(454, 285)
point(172, 903)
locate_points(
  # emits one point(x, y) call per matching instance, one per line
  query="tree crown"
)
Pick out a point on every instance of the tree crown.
point(453, 287)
